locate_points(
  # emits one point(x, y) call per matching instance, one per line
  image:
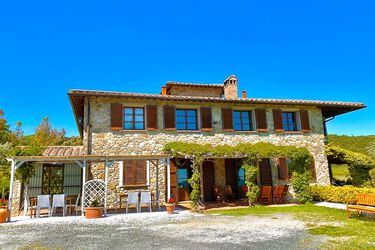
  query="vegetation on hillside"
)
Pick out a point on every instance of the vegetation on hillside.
point(360, 144)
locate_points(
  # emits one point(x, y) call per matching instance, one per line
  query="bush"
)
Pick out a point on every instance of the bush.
point(372, 175)
point(337, 194)
point(300, 184)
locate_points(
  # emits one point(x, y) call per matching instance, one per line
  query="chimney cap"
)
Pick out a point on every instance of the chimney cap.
point(231, 77)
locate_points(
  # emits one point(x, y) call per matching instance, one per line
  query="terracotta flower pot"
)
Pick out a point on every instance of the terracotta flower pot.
point(3, 214)
point(93, 212)
point(170, 207)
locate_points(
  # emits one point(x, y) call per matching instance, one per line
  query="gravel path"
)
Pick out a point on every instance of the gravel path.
point(156, 231)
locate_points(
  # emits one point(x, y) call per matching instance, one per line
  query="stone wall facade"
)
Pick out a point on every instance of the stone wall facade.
point(101, 140)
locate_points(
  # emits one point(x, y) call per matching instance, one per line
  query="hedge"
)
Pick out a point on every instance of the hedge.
point(337, 194)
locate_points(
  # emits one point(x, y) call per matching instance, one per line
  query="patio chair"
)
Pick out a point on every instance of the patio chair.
point(145, 199)
point(278, 194)
point(132, 199)
point(218, 194)
point(285, 192)
point(58, 201)
point(120, 200)
point(43, 202)
point(228, 193)
point(266, 195)
point(75, 206)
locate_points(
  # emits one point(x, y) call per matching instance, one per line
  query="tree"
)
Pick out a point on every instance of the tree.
point(46, 135)
point(5, 134)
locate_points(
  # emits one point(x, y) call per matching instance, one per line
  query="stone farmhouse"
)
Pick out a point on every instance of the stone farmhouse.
point(124, 135)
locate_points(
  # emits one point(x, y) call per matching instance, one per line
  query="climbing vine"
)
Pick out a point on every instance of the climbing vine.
point(300, 159)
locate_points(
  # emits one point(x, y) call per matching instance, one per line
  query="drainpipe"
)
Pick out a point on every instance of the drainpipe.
point(326, 142)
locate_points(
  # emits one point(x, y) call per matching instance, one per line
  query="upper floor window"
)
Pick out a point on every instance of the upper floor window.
point(242, 120)
point(289, 121)
point(186, 119)
point(134, 118)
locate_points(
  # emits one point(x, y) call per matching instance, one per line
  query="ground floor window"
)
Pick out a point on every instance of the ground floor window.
point(53, 179)
point(135, 173)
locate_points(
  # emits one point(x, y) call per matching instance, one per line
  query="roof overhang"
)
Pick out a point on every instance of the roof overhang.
point(91, 158)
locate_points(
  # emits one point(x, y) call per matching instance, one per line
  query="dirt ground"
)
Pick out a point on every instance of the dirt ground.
point(157, 231)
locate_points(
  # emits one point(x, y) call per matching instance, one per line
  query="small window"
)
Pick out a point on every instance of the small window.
point(186, 119)
point(242, 120)
point(134, 173)
point(134, 118)
point(289, 121)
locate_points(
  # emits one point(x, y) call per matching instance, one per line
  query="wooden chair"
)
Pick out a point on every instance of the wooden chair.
point(266, 195)
point(218, 194)
point(278, 194)
point(285, 192)
point(228, 193)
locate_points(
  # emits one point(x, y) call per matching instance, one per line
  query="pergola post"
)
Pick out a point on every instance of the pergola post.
point(157, 184)
point(14, 167)
point(83, 185)
point(10, 199)
point(106, 186)
point(169, 177)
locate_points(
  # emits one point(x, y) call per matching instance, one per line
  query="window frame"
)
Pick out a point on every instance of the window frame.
point(286, 122)
point(186, 122)
point(133, 115)
point(250, 117)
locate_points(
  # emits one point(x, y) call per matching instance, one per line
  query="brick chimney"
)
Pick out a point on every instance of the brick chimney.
point(230, 87)
point(243, 94)
point(164, 90)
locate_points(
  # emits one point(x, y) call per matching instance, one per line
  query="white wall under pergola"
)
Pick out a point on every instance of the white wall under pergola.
point(81, 161)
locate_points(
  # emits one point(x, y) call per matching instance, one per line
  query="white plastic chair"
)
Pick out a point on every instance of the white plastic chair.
point(43, 202)
point(132, 199)
point(76, 205)
point(145, 199)
point(58, 201)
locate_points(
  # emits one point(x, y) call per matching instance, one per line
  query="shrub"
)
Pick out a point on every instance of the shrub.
point(337, 194)
point(253, 190)
point(372, 175)
point(300, 184)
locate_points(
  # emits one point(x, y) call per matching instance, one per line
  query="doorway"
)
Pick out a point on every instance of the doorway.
point(265, 172)
point(208, 180)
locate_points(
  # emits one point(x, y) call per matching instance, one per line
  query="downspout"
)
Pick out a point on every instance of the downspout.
point(326, 142)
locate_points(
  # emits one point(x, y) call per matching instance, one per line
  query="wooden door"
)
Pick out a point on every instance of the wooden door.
point(265, 172)
point(174, 191)
point(208, 180)
point(231, 174)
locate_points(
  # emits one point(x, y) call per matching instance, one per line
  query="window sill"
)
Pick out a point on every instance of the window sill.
point(262, 130)
point(134, 186)
point(246, 131)
point(293, 132)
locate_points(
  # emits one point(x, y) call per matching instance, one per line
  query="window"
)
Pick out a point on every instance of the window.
point(289, 121)
point(186, 119)
point(53, 179)
point(134, 173)
point(134, 118)
point(242, 120)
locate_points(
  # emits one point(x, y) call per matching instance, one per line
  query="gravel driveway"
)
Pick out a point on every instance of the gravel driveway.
point(156, 231)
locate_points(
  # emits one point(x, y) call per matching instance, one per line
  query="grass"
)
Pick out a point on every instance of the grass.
point(340, 172)
point(354, 233)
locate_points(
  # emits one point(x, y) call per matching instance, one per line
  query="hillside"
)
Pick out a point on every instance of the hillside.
point(360, 144)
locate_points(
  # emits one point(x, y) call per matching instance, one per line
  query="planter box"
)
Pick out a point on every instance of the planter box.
point(93, 212)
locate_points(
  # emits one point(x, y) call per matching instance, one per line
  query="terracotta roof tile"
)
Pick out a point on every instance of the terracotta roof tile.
point(187, 84)
point(63, 151)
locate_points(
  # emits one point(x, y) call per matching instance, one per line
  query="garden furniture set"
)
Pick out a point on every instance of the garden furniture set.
point(58, 201)
point(137, 198)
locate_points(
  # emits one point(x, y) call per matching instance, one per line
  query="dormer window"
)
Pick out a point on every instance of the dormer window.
point(134, 118)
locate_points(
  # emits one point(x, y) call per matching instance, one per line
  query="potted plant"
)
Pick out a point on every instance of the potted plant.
point(170, 205)
point(3, 210)
point(95, 210)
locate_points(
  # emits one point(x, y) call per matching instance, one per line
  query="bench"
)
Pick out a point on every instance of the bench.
point(365, 203)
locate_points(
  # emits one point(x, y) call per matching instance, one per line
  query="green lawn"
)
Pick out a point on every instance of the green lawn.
point(340, 172)
point(354, 233)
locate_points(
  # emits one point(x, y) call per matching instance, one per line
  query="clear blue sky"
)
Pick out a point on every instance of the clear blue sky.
point(278, 49)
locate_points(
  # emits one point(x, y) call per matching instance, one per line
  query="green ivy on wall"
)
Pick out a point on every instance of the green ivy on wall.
point(300, 160)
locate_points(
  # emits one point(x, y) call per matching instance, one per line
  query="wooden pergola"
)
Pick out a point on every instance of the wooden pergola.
point(81, 162)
